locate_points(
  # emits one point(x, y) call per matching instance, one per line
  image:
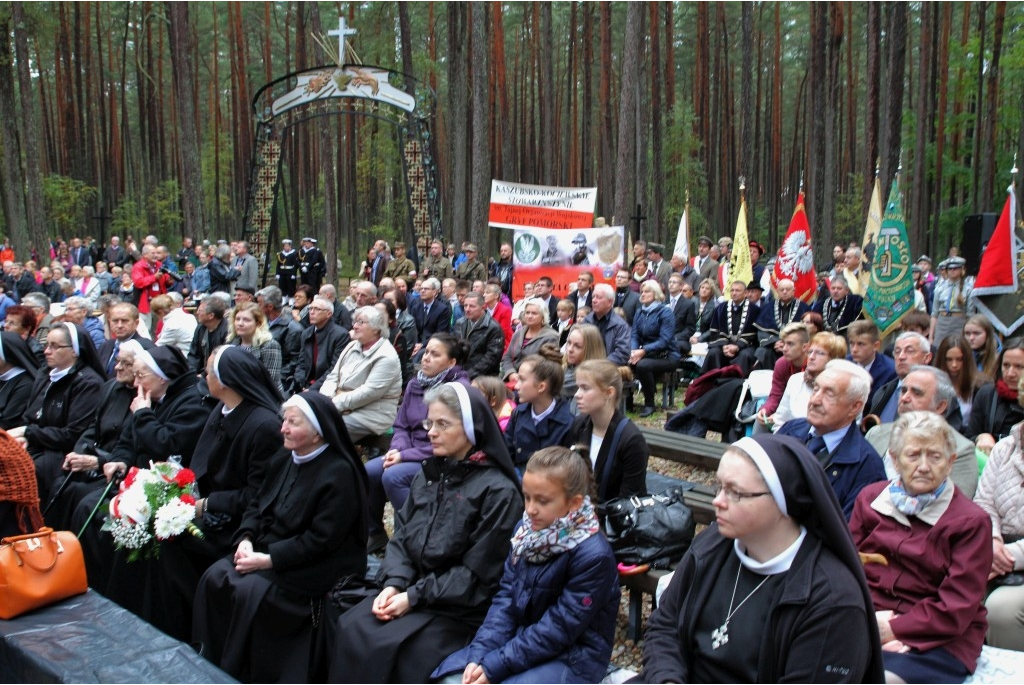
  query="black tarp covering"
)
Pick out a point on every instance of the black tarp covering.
point(89, 639)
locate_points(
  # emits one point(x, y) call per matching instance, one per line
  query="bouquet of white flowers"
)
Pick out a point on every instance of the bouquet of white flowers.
point(152, 505)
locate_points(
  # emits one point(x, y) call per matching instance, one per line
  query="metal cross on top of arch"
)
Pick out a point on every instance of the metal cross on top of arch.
point(343, 89)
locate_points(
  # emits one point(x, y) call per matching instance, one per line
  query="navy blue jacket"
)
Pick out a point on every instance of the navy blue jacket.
point(438, 320)
point(654, 331)
point(523, 437)
point(882, 370)
point(854, 463)
point(564, 609)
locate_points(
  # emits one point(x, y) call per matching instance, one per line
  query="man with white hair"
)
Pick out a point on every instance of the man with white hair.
point(910, 350)
point(432, 313)
point(247, 266)
point(832, 434)
point(322, 344)
point(926, 388)
point(613, 328)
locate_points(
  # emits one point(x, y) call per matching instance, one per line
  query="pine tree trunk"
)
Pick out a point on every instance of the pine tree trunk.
point(458, 92)
point(480, 181)
point(625, 164)
point(11, 177)
point(29, 135)
point(181, 37)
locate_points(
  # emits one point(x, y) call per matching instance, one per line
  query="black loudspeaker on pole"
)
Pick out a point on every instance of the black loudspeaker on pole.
point(978, 229)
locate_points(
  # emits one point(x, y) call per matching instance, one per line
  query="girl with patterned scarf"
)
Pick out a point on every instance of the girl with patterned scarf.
point(553, 619)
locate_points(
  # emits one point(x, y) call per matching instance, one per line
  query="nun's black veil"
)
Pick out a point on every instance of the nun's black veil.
point(489, 438)
point(16, 352)
point(335, 434)
point(243, 373)
point(811, 502)
point(87, 355)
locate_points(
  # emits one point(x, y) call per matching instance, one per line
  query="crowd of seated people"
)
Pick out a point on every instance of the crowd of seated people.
point(508, 428)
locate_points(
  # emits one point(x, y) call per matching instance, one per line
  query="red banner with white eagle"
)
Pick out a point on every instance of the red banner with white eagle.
point(796, 259)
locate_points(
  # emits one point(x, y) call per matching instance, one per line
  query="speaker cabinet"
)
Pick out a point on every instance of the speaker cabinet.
point(978, 229)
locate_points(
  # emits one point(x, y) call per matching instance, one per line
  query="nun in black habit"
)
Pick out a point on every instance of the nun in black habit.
point(18, 368)
point(169, 413)
point(255, 611)
point(61, 403)
point(773, 591)
point(444, 563)
point(234, 453)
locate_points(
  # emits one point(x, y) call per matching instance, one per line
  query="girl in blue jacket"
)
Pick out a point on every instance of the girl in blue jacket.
point(553, 619)
point(543, 418)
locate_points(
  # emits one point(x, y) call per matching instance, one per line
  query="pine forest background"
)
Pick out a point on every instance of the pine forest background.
point(135, 117)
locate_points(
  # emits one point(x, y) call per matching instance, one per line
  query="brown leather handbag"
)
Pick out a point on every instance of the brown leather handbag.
point(39, 569)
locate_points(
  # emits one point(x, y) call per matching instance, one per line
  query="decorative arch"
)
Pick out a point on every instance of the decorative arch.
point(352, 89)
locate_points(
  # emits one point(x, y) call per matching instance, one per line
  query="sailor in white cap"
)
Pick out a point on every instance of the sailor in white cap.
point(287, 268)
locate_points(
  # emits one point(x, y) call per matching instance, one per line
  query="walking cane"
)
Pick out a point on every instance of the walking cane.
point(116, 478)
point(57, 494)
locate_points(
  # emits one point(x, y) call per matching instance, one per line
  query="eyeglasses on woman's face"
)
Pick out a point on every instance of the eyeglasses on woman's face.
point(441, 425)
point(736, 496)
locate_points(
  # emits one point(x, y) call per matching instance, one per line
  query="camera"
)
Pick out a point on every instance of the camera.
point(165, 270)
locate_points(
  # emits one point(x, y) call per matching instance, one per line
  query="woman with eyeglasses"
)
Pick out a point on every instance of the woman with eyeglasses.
point(445, 561)
point(61, 404)
point(773, 591)
point(823, 348)
point(366, 382)
point(392, 474)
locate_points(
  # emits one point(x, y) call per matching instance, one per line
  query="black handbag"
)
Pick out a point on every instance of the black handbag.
point(649, 529)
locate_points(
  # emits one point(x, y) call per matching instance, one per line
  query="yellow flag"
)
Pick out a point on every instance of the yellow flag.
point(740, 268)
point(869, 244)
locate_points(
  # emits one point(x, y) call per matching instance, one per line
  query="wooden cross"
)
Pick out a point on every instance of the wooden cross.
point(341, 32)
point(639, 219)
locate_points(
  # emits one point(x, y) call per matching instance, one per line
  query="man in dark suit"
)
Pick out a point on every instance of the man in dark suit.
point(322, 344)
point(80, 253)
point(831, 433)
point(432, 314)
point(661, 268)
point(123, 320)
point(285, 330)
point(342, 316)
point(685, 311)
point(626, 298)
point(484, 335)
point(702, 262)
point(542, 289)
point(211, 331)
point(584, 289)
point(910, 349)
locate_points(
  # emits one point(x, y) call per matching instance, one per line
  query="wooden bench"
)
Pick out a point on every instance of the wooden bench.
point(684, 449)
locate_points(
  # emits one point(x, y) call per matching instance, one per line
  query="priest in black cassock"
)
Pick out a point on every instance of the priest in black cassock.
point(732, 337)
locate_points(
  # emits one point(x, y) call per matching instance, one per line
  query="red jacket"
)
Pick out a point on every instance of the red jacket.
point(503, 315)
point(936, 573)
point(148, 282)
